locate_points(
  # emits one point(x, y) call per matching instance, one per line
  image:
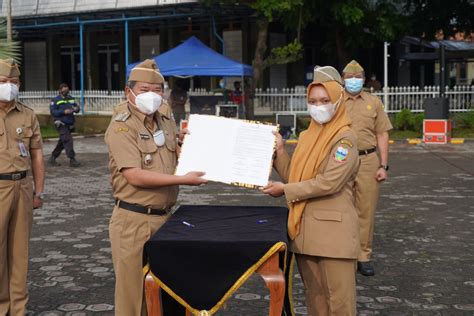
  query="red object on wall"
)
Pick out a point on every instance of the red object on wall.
point(436, 131)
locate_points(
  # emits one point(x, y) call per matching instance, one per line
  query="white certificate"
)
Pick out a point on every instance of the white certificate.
point(228, 150)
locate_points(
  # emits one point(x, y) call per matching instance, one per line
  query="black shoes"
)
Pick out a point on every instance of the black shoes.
point(52, 161)
point(365, 268)
point(74, 163)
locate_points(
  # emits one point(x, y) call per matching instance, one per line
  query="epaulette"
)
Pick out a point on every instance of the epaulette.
point(122, 117)
point(25, 106)
point(346, 142)
point(165, 110)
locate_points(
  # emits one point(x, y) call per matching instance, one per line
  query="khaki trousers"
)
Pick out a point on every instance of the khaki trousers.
point(16, 216)
point(329, 284)
point(366, 193)
point(129, 231)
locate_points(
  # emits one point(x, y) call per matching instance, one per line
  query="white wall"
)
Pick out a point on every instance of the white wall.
point(233, 50)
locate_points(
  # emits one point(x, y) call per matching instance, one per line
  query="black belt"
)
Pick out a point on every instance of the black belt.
point(13, 176)
point(367, 151)
point(140, 209)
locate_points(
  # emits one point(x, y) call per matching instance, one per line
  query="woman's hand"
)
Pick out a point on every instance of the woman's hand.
point(275, 189)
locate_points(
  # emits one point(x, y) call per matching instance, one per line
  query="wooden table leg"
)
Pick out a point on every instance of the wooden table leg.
point(153, 296)
point(275, 280)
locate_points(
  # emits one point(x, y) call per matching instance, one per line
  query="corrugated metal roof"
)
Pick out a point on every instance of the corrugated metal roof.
point(38, 8)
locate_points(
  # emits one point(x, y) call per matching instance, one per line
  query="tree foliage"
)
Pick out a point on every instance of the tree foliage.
point(426, 17)
point(8, 49)
point(285, 54)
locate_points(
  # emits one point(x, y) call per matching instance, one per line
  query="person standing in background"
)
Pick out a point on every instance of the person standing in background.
point(371, 125)
point(62, 110)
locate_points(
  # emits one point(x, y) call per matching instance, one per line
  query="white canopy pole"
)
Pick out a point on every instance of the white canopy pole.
point(385, 74)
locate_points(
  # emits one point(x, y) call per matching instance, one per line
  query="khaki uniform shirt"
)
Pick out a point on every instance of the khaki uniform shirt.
point(368, 117)
point(18, 126)
point(131, 145)
point(329, 224)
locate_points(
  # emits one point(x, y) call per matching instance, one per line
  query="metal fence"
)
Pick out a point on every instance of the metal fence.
point(293, 100)
point(270, 101)
point(95, 101)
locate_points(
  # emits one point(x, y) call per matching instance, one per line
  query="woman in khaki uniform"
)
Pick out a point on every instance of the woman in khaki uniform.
point(322, 222)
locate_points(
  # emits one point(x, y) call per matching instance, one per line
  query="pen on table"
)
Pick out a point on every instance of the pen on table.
point(187, 224)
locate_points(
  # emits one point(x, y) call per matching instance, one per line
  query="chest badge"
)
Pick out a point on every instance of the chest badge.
point(19, 130)
point(369, 107)
point(148, 159)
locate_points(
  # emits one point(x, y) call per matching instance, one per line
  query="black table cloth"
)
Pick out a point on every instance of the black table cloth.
point(202, 254)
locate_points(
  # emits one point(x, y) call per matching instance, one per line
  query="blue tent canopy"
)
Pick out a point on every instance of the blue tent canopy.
point(193, 58)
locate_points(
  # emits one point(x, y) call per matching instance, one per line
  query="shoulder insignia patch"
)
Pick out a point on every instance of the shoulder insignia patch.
point(122, 117)
point(121, 129)
point(347, 142)
point(341, 154)
point(369, 107)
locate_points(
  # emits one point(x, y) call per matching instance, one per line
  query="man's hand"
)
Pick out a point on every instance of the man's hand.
point(37, 202)
point(381, 175)
point(194, 178)
point(183, 133)
point(68, 111)
point(275, 189)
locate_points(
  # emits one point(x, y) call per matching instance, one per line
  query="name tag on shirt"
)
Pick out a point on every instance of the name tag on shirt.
point(23, 151)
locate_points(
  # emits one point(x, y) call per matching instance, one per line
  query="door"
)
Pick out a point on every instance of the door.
point(109, 59)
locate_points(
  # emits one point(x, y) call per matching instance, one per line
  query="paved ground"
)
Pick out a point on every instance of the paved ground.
point(423, 244)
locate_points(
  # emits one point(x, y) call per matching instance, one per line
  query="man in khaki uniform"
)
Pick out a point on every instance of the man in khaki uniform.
point(142, 160)
point(371, 125)
point(326, 238)
point(21, 156)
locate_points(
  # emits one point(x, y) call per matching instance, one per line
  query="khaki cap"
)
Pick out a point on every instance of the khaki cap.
point(9, 68)
point(146, 71)
point(353, 68)
point(330, 78)
point(326, 73)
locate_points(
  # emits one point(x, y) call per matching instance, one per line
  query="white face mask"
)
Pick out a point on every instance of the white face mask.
point(148, 102)
point(322, 113)
point(8, 92)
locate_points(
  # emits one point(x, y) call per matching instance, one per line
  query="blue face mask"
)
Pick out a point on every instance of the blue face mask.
point(354, 85)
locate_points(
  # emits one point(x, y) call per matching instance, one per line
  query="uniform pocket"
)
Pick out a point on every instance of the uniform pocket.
point(370, 114)
point(25, 136)
point(328, 215)
point(170, 140)
point(27, 132)
point(148, 153)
